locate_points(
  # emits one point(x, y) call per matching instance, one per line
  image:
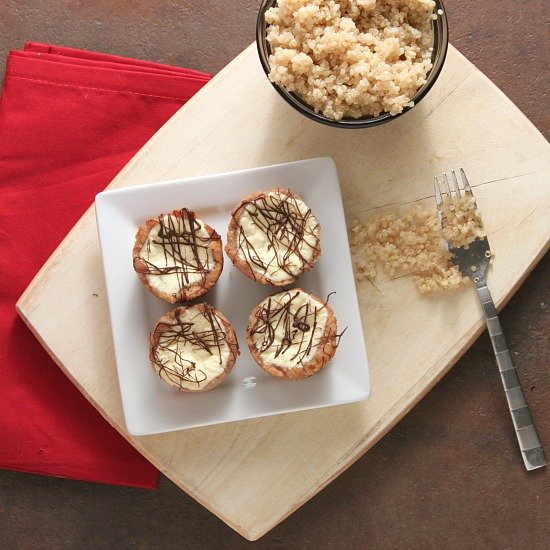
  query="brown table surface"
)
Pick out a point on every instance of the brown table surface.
point(450, 474)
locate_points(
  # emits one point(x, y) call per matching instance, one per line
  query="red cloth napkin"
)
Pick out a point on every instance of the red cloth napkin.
point(69, 121)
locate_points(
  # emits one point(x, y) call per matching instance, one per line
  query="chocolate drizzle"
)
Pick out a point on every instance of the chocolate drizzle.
point(185, 251)
point(298, 325)
point(172, 337)
point(293, 243)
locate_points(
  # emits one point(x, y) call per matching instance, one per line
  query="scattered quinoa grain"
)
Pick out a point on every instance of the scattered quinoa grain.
point(411, 243)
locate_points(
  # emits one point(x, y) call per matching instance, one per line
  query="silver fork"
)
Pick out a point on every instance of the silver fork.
point(473, 262)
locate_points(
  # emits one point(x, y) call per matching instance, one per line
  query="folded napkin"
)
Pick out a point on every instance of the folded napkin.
point(69, 121)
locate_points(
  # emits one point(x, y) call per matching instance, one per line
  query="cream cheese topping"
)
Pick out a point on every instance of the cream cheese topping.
point(291, 326)
point(177, 260)
point(278, 236)
point(194, 351)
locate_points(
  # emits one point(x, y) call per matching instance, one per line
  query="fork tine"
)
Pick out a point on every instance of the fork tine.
point(447, 184)
point(439, 203)
point(455, 181)
point(467, 188)
point(438, 199)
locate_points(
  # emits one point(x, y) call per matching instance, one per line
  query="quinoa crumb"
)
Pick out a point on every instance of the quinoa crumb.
point(351, 58)
point(462, 222)
point(411, 243)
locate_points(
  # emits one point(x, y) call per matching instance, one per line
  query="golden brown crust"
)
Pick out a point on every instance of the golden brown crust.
point(326, 348)
point(185, 293)
point(232, 248)
point(167, 322)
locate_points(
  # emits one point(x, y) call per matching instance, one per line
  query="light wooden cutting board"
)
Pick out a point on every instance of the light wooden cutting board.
point(253, 474)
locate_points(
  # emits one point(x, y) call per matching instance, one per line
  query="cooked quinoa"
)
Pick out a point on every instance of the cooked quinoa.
point(351, 58)
point(411, 243)
point(461, 222)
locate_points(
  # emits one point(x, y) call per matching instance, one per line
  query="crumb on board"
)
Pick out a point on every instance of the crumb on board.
point(411, 243)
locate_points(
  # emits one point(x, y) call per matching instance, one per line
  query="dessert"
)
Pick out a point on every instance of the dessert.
point(292, 334)
point(193, 348)
point(273, 237)
point(177, 256)
point(351, 58)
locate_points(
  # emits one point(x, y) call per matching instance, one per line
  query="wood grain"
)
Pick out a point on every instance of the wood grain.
point(412, 342)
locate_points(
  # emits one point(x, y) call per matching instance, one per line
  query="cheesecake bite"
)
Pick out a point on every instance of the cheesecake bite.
point(292, 334)
point(193, 348)
point(177, 256)
point(273, 237)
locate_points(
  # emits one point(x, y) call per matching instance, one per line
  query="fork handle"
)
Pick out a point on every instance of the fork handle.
point(528, 439)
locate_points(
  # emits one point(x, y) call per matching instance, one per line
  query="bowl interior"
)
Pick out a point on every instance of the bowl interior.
point(441, 41)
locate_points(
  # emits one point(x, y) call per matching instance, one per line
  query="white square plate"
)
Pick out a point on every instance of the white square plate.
point(150, 405)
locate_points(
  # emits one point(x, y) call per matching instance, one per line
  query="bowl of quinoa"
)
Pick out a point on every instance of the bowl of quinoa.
point(352, 63)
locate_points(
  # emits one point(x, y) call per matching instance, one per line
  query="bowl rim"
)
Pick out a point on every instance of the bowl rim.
point(440, 48)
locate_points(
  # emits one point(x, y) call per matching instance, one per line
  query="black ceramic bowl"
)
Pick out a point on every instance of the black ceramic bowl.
point(441, 41)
